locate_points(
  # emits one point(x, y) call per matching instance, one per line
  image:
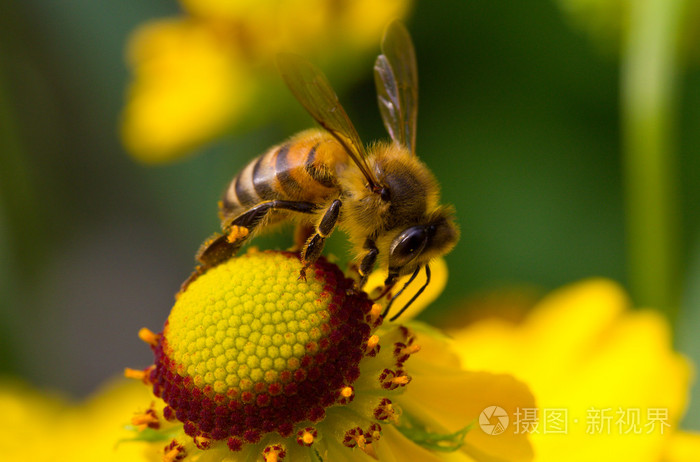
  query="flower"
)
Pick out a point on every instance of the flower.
point(197, 75)
point(44, 427)
point(254, 362)
point(607, 384)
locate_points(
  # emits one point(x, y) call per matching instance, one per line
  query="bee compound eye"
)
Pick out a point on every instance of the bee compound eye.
point(410, 242)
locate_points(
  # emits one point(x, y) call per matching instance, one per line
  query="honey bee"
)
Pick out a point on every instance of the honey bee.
point(382, 196)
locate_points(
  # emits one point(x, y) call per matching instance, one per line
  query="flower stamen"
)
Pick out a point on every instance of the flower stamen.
point(146, 419)
point(202, 442)
point(137, 374)
point(174, 452)
point(149, 337)
point(374, 318)
point(373, 346)
point(274, 453)
point(307, 436)
point(355, 437)
point(391, 380)
point(386, 411)
point(346, 395)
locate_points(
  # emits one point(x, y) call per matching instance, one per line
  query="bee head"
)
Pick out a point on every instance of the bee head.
point(414, 246)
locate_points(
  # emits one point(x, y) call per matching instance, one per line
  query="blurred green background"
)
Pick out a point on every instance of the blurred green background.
point(519, 119)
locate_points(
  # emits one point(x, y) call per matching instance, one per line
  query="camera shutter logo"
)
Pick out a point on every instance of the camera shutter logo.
point(493, 420)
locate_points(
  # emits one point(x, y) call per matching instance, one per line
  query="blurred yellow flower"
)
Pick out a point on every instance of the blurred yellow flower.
point(198, 75)
point(607, 384)
point(187, 86)
point(49, 428)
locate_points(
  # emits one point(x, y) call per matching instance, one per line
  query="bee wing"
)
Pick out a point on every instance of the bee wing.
point(312, 89)
point(396, 79)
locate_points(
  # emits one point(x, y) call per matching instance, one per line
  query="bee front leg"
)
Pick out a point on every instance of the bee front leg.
point(368, 261)
point(314, 245)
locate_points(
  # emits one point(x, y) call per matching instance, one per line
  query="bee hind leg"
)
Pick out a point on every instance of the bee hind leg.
point(314, 244)
point(216, 249)
point(220, 247)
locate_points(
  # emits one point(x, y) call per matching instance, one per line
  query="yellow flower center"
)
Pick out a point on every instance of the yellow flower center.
point(249, 349)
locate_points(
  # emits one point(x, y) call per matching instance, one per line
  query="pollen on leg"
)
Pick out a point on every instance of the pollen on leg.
point(236, 233)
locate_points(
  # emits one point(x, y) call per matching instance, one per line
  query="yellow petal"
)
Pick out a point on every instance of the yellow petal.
point(683, 447)
point(394, 447)
point(453, 399)
point(584, 352)
point(43, 427)
point(461, 400)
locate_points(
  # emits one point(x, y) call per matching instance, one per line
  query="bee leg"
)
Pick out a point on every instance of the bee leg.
point(252, 217)
point(302, 233)
point(220, 247)
point(367, 262)
point(216, 249)
point(314, 245)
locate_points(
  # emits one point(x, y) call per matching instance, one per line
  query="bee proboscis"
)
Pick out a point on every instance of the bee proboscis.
point(382, 196)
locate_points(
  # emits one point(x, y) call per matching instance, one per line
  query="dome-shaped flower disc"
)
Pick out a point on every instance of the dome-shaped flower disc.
point(254, 350)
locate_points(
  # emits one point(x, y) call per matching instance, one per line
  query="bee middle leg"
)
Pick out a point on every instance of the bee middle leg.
point(314, 244)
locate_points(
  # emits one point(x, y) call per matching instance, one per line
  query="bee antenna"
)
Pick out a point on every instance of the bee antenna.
point(413, 299)
point(391, 302)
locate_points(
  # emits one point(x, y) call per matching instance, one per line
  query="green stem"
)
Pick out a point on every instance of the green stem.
point(648, 108)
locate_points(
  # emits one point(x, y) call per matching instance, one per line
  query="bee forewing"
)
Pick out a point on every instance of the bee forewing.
point(396, 79)
point(312, 89)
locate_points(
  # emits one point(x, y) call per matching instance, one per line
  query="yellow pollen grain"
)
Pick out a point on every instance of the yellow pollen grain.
point(307, 438)
point(412, 349)
point(373, 341)
point(346, 392)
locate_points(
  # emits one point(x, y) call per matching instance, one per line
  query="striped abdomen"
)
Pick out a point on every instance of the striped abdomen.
point(302, 169)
